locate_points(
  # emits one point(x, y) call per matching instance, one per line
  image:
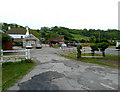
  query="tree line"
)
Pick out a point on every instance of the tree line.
point(45, 33)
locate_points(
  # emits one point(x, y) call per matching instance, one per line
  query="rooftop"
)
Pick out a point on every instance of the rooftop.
point(16, 31)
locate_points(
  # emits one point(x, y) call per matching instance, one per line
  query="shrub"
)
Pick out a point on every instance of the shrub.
point(6, 63)
point(112, 43)
point(82, 41)
point(22, 61)
point(102, 46)
point(27, 61)
point(97, 41)
point(119, 47)
point(78, 51)
point(94, 48)
point(6, 37)
point(104, 40)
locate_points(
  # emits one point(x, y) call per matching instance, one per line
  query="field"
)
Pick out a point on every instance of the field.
point(79, 37)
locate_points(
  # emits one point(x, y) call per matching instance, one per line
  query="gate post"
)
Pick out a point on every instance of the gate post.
point(26, 53)
point(1, 55)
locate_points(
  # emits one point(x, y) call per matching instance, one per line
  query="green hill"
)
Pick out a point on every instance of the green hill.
point(80, 37)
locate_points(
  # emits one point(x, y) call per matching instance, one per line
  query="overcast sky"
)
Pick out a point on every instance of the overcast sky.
point(78, 14)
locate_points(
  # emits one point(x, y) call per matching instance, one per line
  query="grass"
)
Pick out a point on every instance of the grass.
point(13, 71)
point(80, 36)
point(109, 60)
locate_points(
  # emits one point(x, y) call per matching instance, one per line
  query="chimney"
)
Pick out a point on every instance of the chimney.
point(27, 28)
point(27, 32)
point(9, 27)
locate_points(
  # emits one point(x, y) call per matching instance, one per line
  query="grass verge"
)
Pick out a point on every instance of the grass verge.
point(109, 60)
point(13, 71)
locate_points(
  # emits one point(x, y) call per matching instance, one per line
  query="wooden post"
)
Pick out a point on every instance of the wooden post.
point(1, 55)
point(73, 49)
point(69, 50)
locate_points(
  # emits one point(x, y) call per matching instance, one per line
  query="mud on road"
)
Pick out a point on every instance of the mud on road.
point(54, 72)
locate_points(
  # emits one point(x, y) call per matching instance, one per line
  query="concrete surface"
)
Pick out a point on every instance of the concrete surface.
point(54, 72)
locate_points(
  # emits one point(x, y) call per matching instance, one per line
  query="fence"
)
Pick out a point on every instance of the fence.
point(26, 55)
point(74, 50)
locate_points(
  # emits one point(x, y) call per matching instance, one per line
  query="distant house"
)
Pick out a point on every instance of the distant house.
point(56, 40)
point(22, 35)
point(30, 39)
point(18, 34)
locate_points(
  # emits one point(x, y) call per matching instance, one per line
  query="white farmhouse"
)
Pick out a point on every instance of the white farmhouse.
point(18, 34)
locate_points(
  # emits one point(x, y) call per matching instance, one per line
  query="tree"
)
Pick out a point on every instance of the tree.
point(78, 51)
point(97, 41)
point(92, 39)
point(43, 34)
point(51, 35)
point(68, 36)
point(82, 41)
point(35, 33)
point(94, 48)
point(102, 46)
point(45, 29)
point(104, 40)
point(6, 37)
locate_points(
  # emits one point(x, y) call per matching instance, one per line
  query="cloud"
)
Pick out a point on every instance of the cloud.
point(98, 14)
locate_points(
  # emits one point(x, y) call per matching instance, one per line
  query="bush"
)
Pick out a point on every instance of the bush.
point(22, 61)
point(97, 41)
point(94, 48)
point(112, 43)
point(82, 41)
point(102, 46)
point(119, 47)
point(78, 51)
point(104, 40)
point(6, 37)
point(27, 61)
point(6, 63)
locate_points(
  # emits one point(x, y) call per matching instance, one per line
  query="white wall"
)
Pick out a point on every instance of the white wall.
point(16, 35)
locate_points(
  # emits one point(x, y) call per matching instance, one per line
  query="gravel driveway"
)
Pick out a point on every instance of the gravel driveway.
point(54, 72)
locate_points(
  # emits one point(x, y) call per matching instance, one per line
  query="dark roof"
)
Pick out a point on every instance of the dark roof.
point(16, 31)
point(57, 39)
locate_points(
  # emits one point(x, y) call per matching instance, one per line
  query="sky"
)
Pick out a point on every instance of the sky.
point(75, 14)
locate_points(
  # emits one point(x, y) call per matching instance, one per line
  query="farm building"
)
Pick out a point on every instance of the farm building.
point(30, 39)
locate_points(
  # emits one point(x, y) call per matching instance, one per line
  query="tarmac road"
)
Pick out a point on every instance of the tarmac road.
point(54, 72)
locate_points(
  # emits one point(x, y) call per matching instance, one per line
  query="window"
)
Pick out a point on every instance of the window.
point(21, 37)
point(30, 36)
point(31, 42)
